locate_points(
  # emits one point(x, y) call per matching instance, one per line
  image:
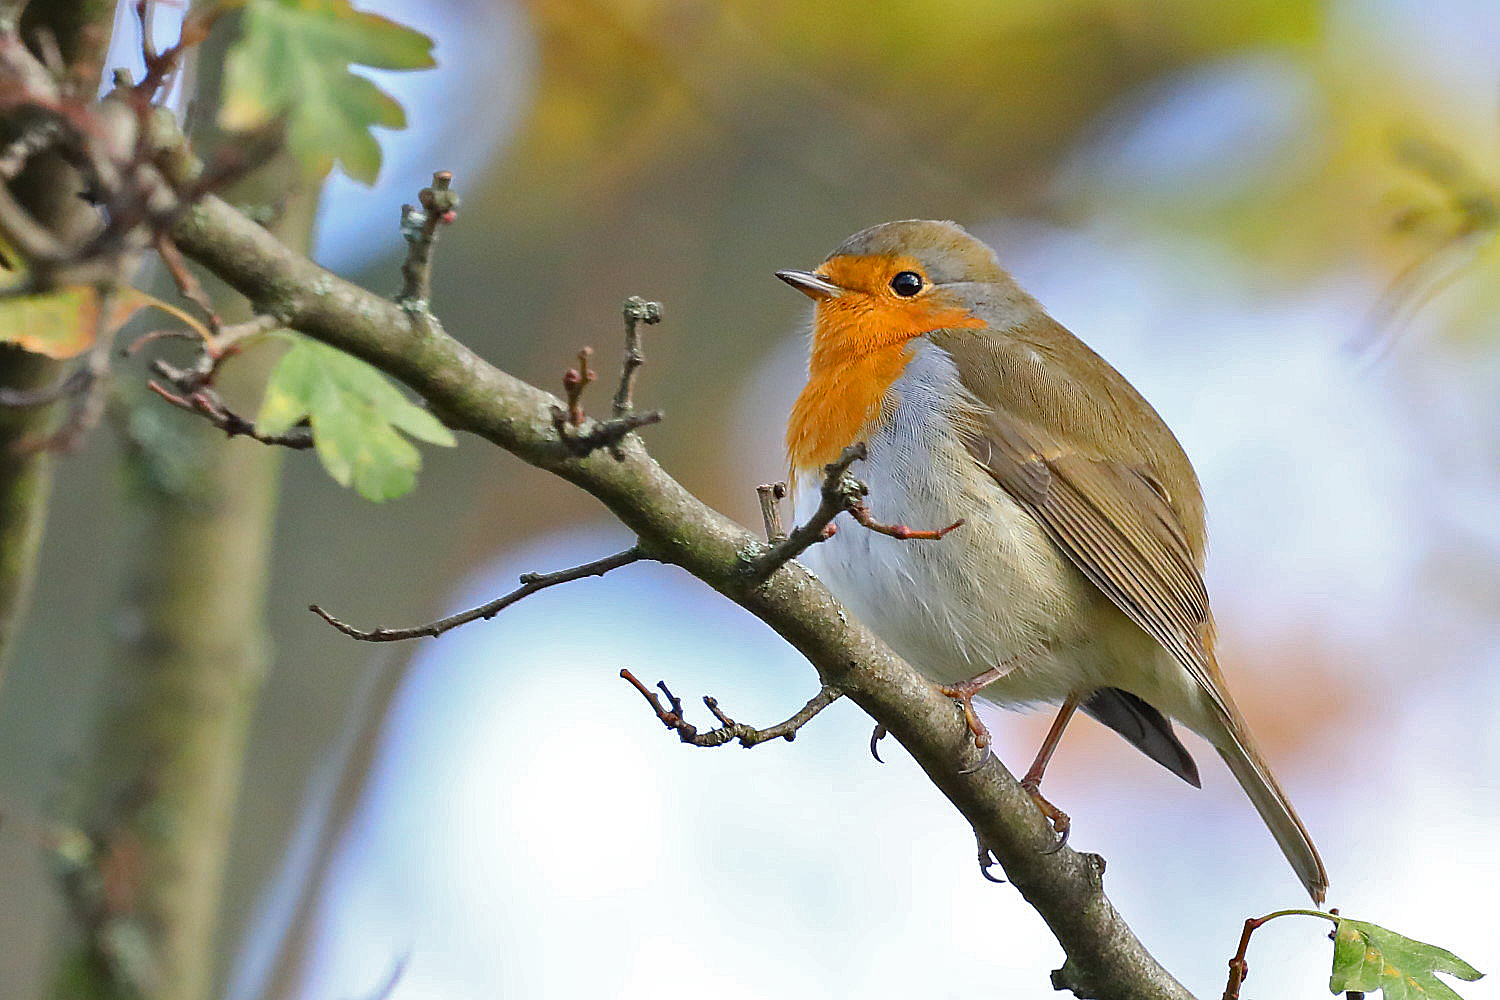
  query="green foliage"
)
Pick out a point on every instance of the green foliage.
point(293, 58)
point(357, 418)
point(1368, 957)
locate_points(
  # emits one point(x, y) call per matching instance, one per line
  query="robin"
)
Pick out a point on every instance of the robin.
point(1077, 576)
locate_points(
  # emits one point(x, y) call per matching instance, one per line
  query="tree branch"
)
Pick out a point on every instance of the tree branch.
point(1104, 960)
point(728, 730)
point(530, 584)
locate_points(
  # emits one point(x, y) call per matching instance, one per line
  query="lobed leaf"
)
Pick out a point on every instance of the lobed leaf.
point(358, 418)
point(1368, 957)
point(292, 60)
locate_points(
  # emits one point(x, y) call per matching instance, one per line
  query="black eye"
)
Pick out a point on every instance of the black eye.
point(906, 284)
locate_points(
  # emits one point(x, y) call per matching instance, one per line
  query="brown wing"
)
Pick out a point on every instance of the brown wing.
point(1116, 526)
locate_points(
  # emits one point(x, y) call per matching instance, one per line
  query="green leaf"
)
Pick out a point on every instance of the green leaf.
point(357, 418)
point(293, 57)
point(1368, 957)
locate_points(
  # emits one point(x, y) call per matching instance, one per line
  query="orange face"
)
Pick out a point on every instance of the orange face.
point(861, 344)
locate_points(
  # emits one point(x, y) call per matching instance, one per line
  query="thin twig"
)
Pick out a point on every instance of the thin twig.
point(575, 381)
point(637, 311)
point(570, 421)
point(186, 283)
point(728, 730)
point(771, 495)
point(839, 491)
point(204, 403)
point(530, 584)
point(1239, 969)
point(861, 513)
point(438, 205)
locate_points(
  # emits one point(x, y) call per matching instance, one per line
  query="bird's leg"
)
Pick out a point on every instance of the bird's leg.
point(964, 693)
point(1032, 782)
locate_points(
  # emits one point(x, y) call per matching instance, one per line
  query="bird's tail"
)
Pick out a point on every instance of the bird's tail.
point(1255, 777)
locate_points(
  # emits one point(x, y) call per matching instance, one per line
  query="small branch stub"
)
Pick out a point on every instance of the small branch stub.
point(438, 206)
point(637, 311)
point(771, 495)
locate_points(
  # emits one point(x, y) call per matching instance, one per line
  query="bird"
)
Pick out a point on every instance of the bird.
point(1076, 576)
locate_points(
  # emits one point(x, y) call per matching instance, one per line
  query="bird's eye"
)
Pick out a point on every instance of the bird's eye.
point(906, 284)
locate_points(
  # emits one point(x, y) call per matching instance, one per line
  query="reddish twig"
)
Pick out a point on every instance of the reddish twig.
point(602, 433)
point(861, 513)
point(161, 65)
point(530, 584)
point(1239, 969)
point(204, 403)
point(728, 730)
point(839, 491)
point(186, 283)
point(575, 381)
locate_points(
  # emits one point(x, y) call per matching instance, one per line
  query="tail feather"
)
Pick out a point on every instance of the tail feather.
point(1249, 768)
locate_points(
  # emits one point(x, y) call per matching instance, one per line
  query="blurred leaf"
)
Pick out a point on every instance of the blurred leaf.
point(357, 418)
point(1368, 957)
point(65, 322)
point(293, 59)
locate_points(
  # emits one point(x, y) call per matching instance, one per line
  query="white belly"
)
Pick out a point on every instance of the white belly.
point(995, 591)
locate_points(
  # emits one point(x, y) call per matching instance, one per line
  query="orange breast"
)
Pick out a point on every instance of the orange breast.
point(861, 345)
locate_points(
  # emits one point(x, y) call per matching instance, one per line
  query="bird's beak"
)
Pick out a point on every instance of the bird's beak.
point(814, 286)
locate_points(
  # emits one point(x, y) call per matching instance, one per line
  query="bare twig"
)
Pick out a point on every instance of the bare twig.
point(771, 495)
point(575, 381)
point(530, 584)
point(438, 205)
point(604, 433)
point(161, 66)
point(1239, 969)
point(861, 513)
point(186, 283)
point(840, 490)
point(637, 311)
point(206, 404)
point(728, 730)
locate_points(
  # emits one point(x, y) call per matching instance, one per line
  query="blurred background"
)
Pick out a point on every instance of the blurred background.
point(1276, 218)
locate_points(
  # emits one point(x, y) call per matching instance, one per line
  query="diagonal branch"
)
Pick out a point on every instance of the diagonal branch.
point(1104, 959)
point(530, 584)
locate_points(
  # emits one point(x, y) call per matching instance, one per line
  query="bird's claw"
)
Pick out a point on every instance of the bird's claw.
point(987, 860)
point(875, 738)
point(1060, 822)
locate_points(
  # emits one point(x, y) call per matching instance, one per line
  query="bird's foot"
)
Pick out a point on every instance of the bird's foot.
point(1061, 823)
